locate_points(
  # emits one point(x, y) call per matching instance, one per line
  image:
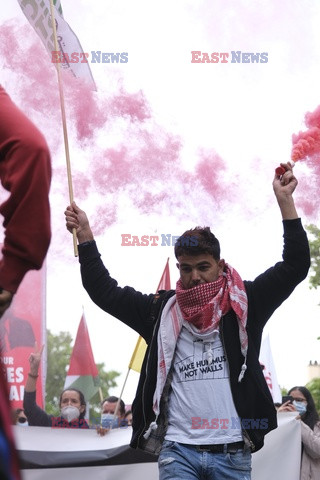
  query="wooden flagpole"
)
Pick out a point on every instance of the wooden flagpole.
point(120, 397)
point(100, 394)
point(64, 123)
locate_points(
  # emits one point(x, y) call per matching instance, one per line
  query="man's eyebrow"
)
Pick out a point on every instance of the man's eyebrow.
point(204, 262)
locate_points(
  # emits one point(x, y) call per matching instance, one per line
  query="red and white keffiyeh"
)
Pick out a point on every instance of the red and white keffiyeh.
point(204, 305)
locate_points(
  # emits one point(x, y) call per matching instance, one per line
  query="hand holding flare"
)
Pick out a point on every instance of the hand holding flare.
point(281, 170)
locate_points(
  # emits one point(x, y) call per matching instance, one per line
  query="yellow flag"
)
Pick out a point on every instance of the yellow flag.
point(141, 346)
point(138, 355)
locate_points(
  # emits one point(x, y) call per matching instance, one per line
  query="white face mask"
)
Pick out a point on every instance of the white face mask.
point(23, 424)
point(70, 413)
point(109, 421)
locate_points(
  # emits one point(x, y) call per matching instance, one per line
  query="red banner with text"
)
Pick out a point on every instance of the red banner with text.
point(23, 324)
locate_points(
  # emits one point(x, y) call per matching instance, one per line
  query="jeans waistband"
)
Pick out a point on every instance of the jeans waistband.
point(221, 448)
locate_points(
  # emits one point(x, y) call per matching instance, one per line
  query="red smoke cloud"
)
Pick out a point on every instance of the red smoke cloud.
point(125, 151)
point(117, 147)
point(307, 144)
point(306, 147)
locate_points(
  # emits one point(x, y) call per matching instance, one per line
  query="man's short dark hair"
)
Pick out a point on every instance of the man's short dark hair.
point(197, 241)
point(112, 399)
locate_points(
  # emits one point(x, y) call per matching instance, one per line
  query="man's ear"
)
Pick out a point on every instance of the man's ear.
point(178, 266)
point(221, 265)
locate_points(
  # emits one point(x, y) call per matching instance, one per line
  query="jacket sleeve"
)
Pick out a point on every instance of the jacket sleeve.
point(267, 292)
point(25, 172)
point(126, 304)
point(311, 440)
point(35, 415)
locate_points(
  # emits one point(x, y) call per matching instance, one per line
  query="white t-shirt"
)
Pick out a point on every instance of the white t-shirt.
point(201, 408)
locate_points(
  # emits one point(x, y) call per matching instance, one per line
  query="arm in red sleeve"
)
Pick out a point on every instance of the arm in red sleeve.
point(25, 171)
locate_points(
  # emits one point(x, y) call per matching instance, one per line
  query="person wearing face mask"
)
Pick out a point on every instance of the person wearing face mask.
point(108, 410)
point(72, 403)
point(303, 404)
point(20, 418)
point(112, 415)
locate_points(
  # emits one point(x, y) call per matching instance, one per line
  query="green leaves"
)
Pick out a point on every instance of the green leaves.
point(314, 387)
point(314, 243)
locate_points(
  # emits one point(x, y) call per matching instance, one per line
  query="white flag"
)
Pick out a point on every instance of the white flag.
point(70, 56)
point(269, 370)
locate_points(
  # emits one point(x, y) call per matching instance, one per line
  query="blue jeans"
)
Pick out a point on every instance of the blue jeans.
point(178, 461)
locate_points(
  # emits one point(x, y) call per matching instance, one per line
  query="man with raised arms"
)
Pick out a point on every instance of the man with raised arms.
point(202, 403)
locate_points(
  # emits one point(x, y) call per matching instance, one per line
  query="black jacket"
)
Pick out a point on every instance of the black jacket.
point(141, 312)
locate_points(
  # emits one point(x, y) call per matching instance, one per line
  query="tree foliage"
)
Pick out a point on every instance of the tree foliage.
point(314, 387)
point(314, 243)
point(59, 350)
point(58, 357)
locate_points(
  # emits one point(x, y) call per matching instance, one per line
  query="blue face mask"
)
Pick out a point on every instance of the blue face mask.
point(301, 407)
point(108, 421)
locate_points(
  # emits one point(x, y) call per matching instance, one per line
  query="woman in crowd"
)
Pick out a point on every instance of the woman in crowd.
point(72, 403)
point(303, 404)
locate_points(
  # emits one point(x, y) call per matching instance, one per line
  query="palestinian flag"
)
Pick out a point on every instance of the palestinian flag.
point(83, 373)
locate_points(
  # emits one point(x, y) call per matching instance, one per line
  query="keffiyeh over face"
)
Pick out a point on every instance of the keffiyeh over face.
point(204, 305)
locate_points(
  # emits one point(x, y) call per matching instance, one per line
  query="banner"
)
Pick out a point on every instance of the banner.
point(21, 325)
point(83, 373)
point(280, 457)
point(87, 455)
point(71, 56)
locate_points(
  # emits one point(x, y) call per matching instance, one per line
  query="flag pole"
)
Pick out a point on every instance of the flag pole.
point(119, 399)
point(125, 380)
point(100, 394)
point(64, 123)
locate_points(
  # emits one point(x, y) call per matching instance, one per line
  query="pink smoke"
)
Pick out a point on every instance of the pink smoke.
point(134, 105)
point(210, 172)
point(306, 147)
point(117, 147)
point(307, 144)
